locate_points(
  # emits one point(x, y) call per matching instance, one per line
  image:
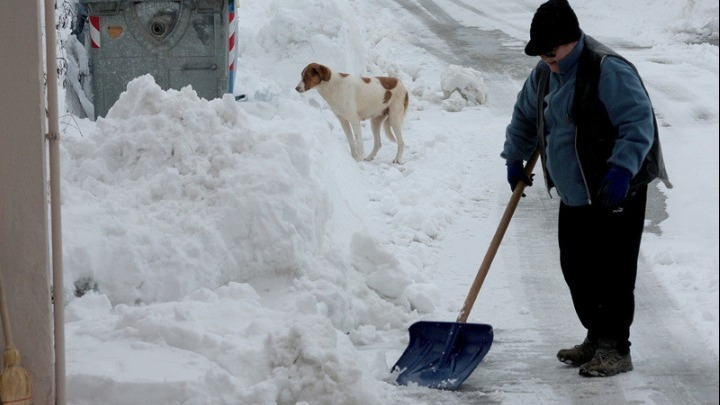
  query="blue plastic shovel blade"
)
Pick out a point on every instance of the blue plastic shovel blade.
point(443, 354)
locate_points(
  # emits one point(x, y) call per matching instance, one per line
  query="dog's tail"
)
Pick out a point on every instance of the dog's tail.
point(396, 117)
point(388, 131)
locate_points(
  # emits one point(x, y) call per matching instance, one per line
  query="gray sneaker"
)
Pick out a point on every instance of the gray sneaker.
point(578, 355)
point(606, 362)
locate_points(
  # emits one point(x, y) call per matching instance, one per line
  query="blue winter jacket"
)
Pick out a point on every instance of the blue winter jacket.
point(628, 108)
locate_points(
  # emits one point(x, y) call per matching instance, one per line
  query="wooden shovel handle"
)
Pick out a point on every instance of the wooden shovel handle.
point(495, 242)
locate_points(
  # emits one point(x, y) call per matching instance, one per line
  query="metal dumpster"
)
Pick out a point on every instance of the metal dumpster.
point(178, 42)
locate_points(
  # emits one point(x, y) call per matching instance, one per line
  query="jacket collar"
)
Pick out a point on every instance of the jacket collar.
point(570, 62)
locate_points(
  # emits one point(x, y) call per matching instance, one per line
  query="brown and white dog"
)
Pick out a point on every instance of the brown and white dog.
point(354, 99)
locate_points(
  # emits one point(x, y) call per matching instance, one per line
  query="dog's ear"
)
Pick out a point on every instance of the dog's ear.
point(323, 72)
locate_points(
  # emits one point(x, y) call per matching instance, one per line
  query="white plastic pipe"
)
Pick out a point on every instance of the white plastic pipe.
point(53, 137)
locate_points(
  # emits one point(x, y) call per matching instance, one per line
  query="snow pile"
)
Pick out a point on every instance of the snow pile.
point(206, 215)
point(462, 87)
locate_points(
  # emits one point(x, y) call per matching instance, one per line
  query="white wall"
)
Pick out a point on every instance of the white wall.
point(24, 246)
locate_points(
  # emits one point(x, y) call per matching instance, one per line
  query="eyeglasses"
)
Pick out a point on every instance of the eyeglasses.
point(550, 53)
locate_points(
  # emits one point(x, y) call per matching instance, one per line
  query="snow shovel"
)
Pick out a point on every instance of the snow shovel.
point(443, 354)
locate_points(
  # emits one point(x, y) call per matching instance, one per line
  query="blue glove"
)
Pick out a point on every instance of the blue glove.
point(615, 185)
point(516, 173)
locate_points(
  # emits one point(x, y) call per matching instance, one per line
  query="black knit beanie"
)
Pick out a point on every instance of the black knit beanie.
point(554, 24)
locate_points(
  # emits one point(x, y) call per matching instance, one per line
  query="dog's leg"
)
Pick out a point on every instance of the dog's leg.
point(357, 131)
point(351, 140)
point(375, 125)
point(397, 129)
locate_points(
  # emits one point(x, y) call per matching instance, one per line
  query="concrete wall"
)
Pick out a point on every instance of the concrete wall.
point(24, 240)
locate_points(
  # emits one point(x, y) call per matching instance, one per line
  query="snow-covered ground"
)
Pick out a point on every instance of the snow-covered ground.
point(223, 252)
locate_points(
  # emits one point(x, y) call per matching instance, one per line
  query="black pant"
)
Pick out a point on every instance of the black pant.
point(599, 249)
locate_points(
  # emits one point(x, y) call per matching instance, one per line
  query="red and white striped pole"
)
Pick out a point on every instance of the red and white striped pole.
point(231, 38)
point(94, 31)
